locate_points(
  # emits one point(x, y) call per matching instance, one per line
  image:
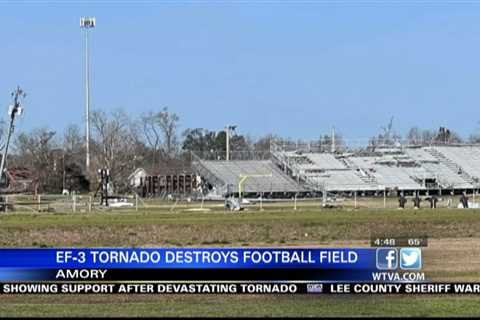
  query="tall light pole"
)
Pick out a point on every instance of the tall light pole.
point(228, 130)
point(86, 24)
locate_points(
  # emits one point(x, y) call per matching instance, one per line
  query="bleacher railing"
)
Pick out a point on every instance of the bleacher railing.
point(352, 145)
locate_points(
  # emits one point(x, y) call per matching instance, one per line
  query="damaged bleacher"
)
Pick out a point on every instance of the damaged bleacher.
point(260, 177)
point(447, 168)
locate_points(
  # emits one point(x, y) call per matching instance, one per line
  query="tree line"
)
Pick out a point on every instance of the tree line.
point(152, 141)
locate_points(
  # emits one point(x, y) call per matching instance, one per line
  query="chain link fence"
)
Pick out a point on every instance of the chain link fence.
point(43, 203)
point(86, 204)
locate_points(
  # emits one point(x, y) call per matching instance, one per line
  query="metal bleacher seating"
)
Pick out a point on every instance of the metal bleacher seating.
point(466, 158)
point(445, 171)
point(408, 168)
point(386, 173)
point(325, 161)
point(229, 172)
point(338, 180)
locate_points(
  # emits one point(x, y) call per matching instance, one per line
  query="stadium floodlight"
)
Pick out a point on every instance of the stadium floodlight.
point(87, 24)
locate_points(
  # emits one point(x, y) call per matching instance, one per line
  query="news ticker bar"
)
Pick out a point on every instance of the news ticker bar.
point(238, 288)
point(178, 258)
point(210, 264)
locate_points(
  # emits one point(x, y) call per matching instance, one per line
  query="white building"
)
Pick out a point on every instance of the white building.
point(135, 178)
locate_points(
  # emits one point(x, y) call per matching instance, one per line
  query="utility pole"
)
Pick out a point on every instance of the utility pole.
point(227, 133)
point(333, 140)
point(13, 110)
point(87, 23)
point(228, 130)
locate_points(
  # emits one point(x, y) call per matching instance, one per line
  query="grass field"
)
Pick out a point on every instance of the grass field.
point(453, 255)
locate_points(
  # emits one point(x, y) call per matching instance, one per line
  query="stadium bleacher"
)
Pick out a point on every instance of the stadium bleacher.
point(408, 168)
point(396, 178)
point(325, 161)
point(467, 158)
point(420, 155)
point(338, 180)
point(265, 176)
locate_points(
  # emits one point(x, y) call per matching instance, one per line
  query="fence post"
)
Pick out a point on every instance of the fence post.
point(295, 207)
point(174, 205)
point(89, 203)
point(355, 199)
point(136, 202)
point(324, 195)
point(385, 198)
point(38, 201)
point(74, 203)
point(6, 204)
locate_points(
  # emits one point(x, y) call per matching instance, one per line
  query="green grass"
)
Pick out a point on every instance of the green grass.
point(273, 227)
point(254, 306)
point(310, 215)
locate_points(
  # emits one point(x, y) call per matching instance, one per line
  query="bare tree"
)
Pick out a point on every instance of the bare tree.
point(474, 138)
point(152, 133)
point(139, 148)
point(325, 143)
point(159, 131)
point(447, 136)
point(114, 145)
point(424, 137)
point(38, 151)
point(414, 136)
point(168, 122)
point(262, 145)
point(73, 139)
point(74, 176)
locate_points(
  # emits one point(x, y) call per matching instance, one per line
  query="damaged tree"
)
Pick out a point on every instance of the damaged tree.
point(115, 145)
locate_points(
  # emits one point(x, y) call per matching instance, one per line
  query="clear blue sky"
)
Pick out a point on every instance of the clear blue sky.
point(289, 68)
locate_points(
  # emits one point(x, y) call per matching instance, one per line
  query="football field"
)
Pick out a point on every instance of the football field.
point(453, 254)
